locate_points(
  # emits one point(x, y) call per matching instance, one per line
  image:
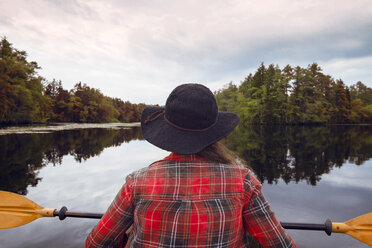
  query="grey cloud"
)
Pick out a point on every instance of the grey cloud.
point(74, 7)
point(311, 47)
point(5, 21)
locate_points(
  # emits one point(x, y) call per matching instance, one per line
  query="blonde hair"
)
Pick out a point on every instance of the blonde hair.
point(219, 153)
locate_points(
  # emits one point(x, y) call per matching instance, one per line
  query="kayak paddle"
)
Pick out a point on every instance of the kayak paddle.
point(17, 210)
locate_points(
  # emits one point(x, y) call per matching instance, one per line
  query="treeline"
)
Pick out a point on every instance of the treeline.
point(85, 104)
point(26, 97)
point(296, 95)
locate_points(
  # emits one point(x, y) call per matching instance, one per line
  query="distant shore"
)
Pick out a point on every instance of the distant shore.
point(54, 127)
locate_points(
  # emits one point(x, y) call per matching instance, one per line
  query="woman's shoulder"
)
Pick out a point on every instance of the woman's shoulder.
point(144, 172)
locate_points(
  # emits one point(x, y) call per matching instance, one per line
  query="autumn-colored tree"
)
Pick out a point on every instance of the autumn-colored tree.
point(21, 89)
point(60, 100)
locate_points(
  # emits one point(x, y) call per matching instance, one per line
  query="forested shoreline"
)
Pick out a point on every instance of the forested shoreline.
point(296, 96)
point(288, 96)
point(26, 97)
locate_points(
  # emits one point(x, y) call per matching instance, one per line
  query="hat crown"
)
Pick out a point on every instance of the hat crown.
point(191, 106)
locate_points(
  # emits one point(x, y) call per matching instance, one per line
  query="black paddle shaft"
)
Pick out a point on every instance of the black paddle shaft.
point(327, 226)
point(63, 213)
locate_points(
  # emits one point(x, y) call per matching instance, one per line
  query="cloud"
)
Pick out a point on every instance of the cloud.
point(350, 70)
point(140, 50)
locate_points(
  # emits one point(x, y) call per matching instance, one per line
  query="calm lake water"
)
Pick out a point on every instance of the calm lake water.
point(309, 174)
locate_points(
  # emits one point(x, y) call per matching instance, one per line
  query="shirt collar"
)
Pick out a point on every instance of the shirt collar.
point(183, 157)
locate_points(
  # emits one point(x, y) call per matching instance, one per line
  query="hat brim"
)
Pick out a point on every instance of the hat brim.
point(165, 136)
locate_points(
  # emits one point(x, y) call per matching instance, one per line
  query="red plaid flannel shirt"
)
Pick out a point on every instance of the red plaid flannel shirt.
point(185, 201)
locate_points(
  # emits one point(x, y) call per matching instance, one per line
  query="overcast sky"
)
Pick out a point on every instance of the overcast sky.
point(140, 50)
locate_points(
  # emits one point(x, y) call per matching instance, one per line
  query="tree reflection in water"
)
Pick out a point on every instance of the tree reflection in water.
point(22, 155)
point(292, 153)
point(295, 153)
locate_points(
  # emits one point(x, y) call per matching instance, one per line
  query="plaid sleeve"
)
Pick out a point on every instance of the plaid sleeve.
point(110, 230)
point(259, 220)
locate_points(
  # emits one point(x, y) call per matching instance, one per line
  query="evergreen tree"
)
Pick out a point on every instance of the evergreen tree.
point(296, 96)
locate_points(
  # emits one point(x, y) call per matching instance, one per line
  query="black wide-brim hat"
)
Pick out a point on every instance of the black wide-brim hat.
point(189, 122)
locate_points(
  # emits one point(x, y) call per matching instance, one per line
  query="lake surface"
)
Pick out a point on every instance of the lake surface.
point(309, 174)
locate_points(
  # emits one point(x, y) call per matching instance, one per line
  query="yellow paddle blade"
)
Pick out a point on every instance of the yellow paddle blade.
point(359, 228)
point(17, 210)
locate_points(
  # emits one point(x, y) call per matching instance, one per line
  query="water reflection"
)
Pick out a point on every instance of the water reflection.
point(21, 156)
point(295, 153)
point(289, 153)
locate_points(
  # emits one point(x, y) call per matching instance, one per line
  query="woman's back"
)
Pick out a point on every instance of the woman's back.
point(185, 201)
